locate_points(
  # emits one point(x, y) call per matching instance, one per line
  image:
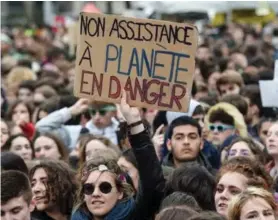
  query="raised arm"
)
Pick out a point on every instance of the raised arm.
point(152, 182)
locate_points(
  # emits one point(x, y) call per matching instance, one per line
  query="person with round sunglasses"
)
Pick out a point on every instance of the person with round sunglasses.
point(103, 192)
point(117, 204)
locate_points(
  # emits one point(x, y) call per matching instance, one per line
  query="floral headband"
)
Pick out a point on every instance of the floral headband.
point(102, 168)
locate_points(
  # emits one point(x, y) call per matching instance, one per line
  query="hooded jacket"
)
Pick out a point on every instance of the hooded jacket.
point(239, 122)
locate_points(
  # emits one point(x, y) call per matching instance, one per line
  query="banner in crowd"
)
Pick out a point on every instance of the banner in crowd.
point(152, 60)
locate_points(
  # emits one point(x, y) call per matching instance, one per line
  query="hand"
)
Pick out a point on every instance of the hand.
point(158, 140)
point(79, 107)
point(20, 121)
point(131, 114)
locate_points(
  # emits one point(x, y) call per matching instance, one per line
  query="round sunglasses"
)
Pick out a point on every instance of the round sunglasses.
point(104, 187)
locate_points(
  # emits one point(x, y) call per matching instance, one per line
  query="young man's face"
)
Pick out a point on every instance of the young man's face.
point(220, 132)
point(16, 209)
point(230, 88)
point(185, 143)
point(25, 95)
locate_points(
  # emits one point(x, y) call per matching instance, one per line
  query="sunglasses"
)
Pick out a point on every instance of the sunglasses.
point(220, 128)
point(104, 187)
point(102, 111)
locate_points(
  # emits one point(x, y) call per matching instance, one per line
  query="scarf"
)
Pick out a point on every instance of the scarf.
point(121, 211)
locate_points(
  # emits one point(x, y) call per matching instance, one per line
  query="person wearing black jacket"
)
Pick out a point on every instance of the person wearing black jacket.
point(185, 144)
point(152, 183)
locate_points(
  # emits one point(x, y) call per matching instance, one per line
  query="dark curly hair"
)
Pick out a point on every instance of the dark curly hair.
point(252, 170)
point(61, 184)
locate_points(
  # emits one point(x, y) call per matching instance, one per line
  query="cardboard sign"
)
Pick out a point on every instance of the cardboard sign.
point(269, 93)
point(152, 60)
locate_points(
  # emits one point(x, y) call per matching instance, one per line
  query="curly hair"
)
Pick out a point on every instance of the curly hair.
point(113, 167)
point(61, 184)
point(252, 170)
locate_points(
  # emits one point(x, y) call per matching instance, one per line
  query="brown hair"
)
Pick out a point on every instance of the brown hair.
point(61, 184)
point(61, 147)
point(102, 139)
point(237, 203)
point(207, 215)
point(260, 155)
point(238, 101)
point(175, 212)
point(229, 77)
point(252, 170)
point(15, 184)
point(113, 167)
point(14, 105)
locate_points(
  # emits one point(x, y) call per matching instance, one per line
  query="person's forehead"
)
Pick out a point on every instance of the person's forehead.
point(40, 173)
point(266, 124)
point(185, 129)
point(274, 127)
point(20, 140)
point(241, 145)
point(97, 176)
point(233, 179)
point(254, 204)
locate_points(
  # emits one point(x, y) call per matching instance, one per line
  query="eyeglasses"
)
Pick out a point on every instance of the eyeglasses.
point(104, 187)
point(220, 127)
point(242, 152)
point(102, 111)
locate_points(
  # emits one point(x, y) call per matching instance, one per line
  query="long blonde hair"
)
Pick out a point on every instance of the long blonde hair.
point(237, 203)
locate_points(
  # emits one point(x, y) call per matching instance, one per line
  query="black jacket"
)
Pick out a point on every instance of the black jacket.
point(152, 182)
point(201, 160)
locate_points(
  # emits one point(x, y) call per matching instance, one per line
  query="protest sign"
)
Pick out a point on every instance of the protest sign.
point(269, 89)
point(269, 93)
point(152, 60)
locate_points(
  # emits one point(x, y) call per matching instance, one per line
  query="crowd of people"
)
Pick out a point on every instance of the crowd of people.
point(68, 158)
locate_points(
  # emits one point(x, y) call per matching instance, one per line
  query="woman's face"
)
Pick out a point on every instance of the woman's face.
point(45, 147)
point(264, 130)
point(240, 148)
point(4, 133)
point(257, 209)
point(21, 146)
point(39, 189)
point(131, 170)
point(229, 185)
point(101, 203)
point(272, 140)
point(92, 147)
point(20, 113)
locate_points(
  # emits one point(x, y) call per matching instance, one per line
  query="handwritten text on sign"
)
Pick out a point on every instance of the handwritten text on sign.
point(152, 60)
